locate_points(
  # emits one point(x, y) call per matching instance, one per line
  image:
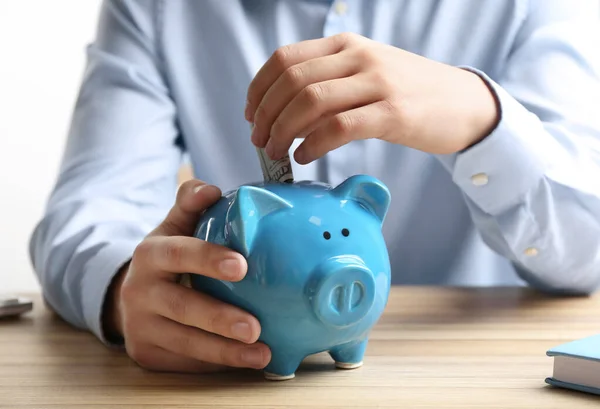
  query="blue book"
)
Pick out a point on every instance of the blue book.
point(577, 365)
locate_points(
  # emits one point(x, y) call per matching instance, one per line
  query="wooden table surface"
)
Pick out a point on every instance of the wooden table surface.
point(438, 348)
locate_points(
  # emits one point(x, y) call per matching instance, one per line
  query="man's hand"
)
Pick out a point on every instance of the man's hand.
point(345, 87)
point(169, 327)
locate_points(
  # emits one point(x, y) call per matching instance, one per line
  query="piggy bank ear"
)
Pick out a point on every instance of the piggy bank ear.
point(250, 205)
point(367, 191)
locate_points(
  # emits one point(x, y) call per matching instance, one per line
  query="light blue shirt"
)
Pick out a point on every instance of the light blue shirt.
point(166, 79)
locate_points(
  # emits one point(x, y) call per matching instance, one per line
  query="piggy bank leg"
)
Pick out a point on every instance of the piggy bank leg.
point(349, 356)
point(282, 367)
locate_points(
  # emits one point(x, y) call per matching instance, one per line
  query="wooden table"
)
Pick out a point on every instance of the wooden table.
point(437, 348)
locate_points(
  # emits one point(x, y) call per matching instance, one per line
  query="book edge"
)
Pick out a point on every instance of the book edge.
point(554, 353)
point(572, 386)
point(558, 350)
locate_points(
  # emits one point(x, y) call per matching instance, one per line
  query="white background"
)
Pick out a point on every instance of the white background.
point(42, 57)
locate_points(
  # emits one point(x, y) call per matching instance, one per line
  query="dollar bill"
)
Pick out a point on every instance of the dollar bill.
point(275, 170)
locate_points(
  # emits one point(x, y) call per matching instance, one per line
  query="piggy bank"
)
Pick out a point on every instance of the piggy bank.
point(318, 274)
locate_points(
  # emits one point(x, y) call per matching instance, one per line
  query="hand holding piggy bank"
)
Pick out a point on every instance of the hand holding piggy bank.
point(318, 274)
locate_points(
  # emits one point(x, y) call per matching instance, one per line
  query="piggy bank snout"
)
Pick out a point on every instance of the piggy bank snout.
point(342, 291)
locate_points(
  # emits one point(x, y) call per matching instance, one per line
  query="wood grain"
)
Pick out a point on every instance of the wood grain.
point(433, 348)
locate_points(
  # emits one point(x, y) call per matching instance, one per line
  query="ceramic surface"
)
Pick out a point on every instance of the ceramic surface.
point(318, 269)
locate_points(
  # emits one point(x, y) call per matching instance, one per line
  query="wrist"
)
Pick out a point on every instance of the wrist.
point(112, 322)
point(484, 115)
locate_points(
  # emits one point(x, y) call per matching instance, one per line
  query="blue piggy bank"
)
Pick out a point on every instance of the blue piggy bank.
point(318, 268)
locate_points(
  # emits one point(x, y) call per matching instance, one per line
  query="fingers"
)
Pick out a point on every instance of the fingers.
point(203, 346)
point(361, 123)
point(153, 358)
point(193, 197)
point(165, 256)
point(285, 57)
point(291, 82)
point(314, 102)
point(199, 310)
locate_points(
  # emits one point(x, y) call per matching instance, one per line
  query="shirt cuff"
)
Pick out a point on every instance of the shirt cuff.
point(497, 172)
point(102, 268)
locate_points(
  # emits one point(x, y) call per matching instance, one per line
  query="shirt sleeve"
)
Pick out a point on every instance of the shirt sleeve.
point(118, 175)
point(533, 185)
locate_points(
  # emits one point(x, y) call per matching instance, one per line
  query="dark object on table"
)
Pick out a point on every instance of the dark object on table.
point(12, 306)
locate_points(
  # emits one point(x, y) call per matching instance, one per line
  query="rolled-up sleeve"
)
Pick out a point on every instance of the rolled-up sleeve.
point(118, 176)
point(533, 184)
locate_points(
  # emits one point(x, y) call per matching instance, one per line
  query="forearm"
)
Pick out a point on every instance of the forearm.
point(533, 193)
point(552, 236)
point(76, 267)
point(77, 249)
point(118, 177)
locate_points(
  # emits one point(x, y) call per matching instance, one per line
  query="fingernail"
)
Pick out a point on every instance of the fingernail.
point(300, 155)
point(241, 331)
point(247, 111)
point(230, 268)
point(270, 150)
point(206, 188)
point(254, 135)
point(252, 356)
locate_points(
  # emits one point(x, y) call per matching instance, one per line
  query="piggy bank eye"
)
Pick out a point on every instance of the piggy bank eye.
point(345, 232)
point(327, 235)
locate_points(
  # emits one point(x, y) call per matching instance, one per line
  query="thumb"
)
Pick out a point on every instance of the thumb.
point(193, 197)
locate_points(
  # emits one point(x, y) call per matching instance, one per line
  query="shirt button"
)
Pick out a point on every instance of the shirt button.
point(340, 8)
point(531, 251)
point(479, 179)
